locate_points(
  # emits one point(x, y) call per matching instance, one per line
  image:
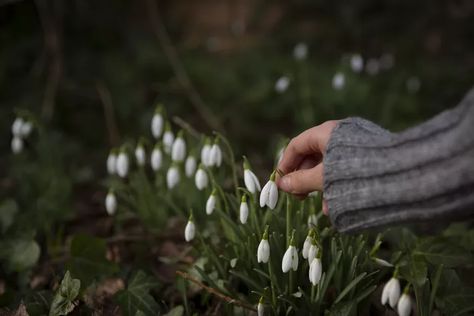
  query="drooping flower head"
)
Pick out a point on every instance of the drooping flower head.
point(290, 258)
point(140, 155)
point(404, 303)
point(190, 229)
point(201, 179)
point(263, 250)
point(260, 307)
point(157, 122)
point(250, 179)
point(391, 290)
point(178, 150)
point(357, 63)
point(168, 138)
point(206, 152)
point(338, 81)
point(243, 209)
point(300, 51)
point(122, 163)
point(315, 271)
point(215, 154)
point(282, 84)
point(112, 161)
point(190, 166)
point(156, 159)
point(111, 202)
point(172, 176)
point(211, 202)
point(269, 194)
point(307, 243)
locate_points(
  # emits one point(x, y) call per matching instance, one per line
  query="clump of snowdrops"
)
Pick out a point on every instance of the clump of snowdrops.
point(258, 248)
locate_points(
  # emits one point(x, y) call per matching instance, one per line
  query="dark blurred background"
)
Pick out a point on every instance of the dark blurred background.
point(94, 70)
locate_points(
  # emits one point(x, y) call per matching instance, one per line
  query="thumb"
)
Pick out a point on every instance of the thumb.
point(303, 181)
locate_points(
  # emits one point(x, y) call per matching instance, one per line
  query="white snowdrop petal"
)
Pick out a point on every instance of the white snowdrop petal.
point(263, 251)
point(190, 166)
point(111, 163)
point(189, 231)
point(338, 81)
point(404, 305)
point(122, 164)
point(201, 179)
point(205, 155)
point(156, 159)
point(294, 258)
point(140, 155)
point(260, 309)
point(17, 145)
point(288, 258)
point(157, 125)
point(306, 246)
point(282, 84)
point(272, 195)
point(243, 212)
point(172, 177)
point(255, 181)
point(110, 203)
point(315, 271)
point(300, 51)
point(26, 129)
point(168, 139)
point(357, 63)
point(210, 204)
point(312, 252)
point(264, 194)
point(394, 294)
point(16, 126)
point(178, 150)
point(248, 180)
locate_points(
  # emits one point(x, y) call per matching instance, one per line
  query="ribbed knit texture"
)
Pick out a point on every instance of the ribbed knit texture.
point(373, 177)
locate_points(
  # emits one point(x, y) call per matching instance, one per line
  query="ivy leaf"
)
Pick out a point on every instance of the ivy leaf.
point(136, 298)
point(63, 301)
point(88, 261)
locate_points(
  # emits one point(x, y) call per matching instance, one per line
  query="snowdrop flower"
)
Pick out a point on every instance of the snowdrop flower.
point(290, 258)
point(338, 81)
point(26, 129)
point(282, 84)
point(307, 243)
point(391, 292)
point(206, 153)
point(111, 203)
point(140, 155)
point(112, 162)
point(157, 122)
point(250, 179)
point(357, 63)
point(260, 307)
point(313, 250)
point(312, 220)
point(404, 305)
point(17, 145)
point(201, 179)
point(178, 150)
point(263, 250)
point(156, 159)
point(190, 166)
point(172, 176)
point(243, 210)
point(215, 154)
point(300, 52)
point(168, 139)
point(190, 229)
point(269, 194)
point(17, 127)
point(382, 262)
point(315, 271)
point(372, 67)
point(122, 164)
point(211, 202)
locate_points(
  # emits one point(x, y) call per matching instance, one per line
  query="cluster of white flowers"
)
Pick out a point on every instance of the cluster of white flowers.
point(391, 295)
point(21, 129)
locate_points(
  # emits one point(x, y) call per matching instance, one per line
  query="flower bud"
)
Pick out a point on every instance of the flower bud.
point(111, 203)
point(200, 179)
point(290, 259)
point(269, 194)
point(391, 292)
point(404, 305)
point(172, 177)
point(190, 230)
point(243, 210)
point(178, 151)
point(315, 271)
point(263, 250)
point(357, 63)
point(112, 162)
point(206, 153)
point(300, 51)
point(122, 164)
point(190, 166)
point(282, 84)
point(157, 123)
point(306, 246)
point(17, 145)
point(17, 126)
point(26, 129)
point(215, 155)
point(250, 179)
point(211, 203)
point(140, 155)
point(260, 307)
point(338, 81)
point(312, 251)
point(156, 159)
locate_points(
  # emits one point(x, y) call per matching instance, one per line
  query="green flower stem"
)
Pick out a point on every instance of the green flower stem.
point(313, 292)
point(254, 218)
point(270, 273)
point(290, 281)
point(288, 220)
point(232, 160)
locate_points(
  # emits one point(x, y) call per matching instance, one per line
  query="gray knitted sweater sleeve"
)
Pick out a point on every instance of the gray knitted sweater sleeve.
point(373, 177)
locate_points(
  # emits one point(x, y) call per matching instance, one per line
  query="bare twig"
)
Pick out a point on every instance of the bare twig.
point(211, 290)
point(186, 126)
point(110, 121)
point(178, 68)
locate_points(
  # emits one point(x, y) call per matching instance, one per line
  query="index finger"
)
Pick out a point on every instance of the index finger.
point(300, 146)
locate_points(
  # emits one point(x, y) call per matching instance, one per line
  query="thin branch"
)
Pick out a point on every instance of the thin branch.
point(186, 126)
point(211, 290)
point(178, 67)
point(110, 121)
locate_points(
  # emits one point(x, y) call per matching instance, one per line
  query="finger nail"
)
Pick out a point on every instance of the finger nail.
point(285, 184)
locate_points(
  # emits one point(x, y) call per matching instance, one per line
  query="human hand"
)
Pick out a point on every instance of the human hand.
point(301, 163)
